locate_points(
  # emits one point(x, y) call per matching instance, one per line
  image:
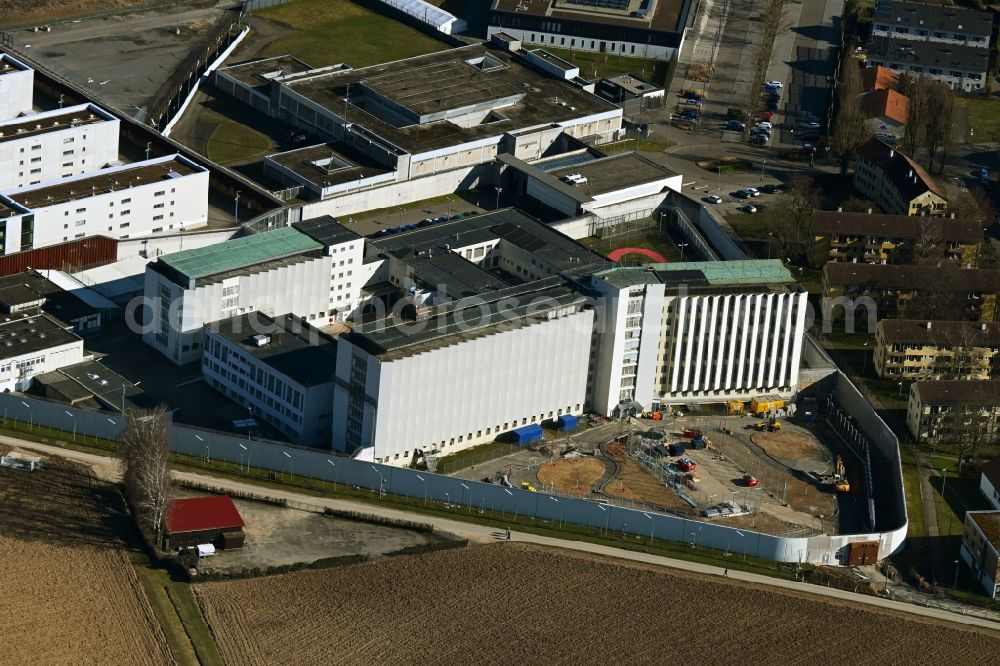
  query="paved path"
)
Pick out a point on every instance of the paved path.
point(106, 468)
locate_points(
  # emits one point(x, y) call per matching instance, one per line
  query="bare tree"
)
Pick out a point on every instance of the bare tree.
point(144, 457)
point(855, 204)
point(772, 23)
point(851, 128)
point(937, 121)
point(916, 120)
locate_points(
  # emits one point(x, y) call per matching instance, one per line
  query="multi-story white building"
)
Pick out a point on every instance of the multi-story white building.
point(136, 199)
point(699, 332)
point(17, 83)
point(313, 270)
point(32, 344)
point(465, 375)
point(56, 144)
point(280, 368)
point(945, 24)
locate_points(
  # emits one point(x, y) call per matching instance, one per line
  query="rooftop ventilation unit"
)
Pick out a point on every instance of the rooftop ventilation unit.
point(260, 340)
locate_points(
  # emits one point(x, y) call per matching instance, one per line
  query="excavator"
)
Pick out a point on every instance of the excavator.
point(840, 482)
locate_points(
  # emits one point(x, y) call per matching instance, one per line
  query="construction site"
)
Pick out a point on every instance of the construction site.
point(760, 465)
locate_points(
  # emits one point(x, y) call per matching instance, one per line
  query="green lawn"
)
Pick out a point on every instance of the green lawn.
point(232, 142)
point(594, 66)
point(911, 488)
point(340, 31)
point(653, 145)
point(648, 239)
point(983, 118)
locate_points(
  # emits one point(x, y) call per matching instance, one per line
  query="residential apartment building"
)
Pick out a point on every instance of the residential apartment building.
point(888, 290)
point(697, 332)
point(873, 238)
point(911, 349)
point(959, 67)
point(942, 24)
point(989, 482)
point(887, 112)
point(949, 411)
point(17, 84)
point(313, 269)
point(652, 30)
point(33, 344)
point(136, 199)
point(56, 144)
point(981, 548)
point(467, 372)
point(895, 182)
point(280, 368)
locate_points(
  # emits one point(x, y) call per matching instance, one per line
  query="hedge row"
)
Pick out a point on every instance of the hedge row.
point(378, 520)
point(429, 547)
point(258, 572)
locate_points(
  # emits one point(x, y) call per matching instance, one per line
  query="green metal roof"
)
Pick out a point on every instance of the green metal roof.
point(241, 252)
point(716, 273)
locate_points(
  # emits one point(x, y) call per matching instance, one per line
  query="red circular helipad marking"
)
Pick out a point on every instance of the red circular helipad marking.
point(615, 255)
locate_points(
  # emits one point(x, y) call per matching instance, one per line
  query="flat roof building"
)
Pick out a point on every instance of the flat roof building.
point(292, 365)
point(33, 344)
point(696, 332)
point(17, 86)
point(138, 199)
point(651, 29)
point(945, 24)
point(321, 259)
point(961, 67)
point(56, 144)
point(981, 548)
point(31, 292)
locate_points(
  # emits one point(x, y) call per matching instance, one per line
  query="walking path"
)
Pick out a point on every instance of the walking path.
point(106, 468)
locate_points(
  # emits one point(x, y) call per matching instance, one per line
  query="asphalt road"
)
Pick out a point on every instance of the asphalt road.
point(106, 468)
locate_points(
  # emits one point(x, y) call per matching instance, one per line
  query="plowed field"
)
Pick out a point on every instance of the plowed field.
point(70, 595)
point(513, 603)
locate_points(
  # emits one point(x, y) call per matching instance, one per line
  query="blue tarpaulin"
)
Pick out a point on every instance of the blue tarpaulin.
point(567, 422)
point(527, 434)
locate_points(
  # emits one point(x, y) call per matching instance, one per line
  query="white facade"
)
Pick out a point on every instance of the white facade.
point(657, 346)
point(615, 47)
point(128, 210)
point(461, 394)
point(53, 146)
point(321, 287)
point(17, 87)
point(299, 409)
point(989, 491)
point(24, 360)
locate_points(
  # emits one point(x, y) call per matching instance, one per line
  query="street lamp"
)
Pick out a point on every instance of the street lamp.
point(149, 144)
point(499, 190)
point(470, 495)
point(246, 452)
point(381, 480)
point(864, 360)
point(72, 416)
point(954, 588)
point(652, 526)
point(423, 481)
point(335, 475)
point(682, 246)
point(900, 395)
point(607, 522)
point(560, 509)
point(514, 499)
point(743, 536)
point(762, 163)
point(29, 414)
point(290, 473)
point(208, 451)
point(236, 206)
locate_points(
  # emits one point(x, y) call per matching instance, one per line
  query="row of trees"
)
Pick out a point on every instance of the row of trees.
point(771, 17)
point(144, 458)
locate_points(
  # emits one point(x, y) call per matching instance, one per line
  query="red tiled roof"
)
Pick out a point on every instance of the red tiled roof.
point(888, 103)
point(195, 514)
point(878, 78)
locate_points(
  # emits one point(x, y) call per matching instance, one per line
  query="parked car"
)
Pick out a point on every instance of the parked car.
point(983, 174)
point(765, 115)
point(811, 125)
point(752, 191)
point(735, 125)
point(713, 199)
point(765, 124)
point(775, 84)
point(772, 189)
point(808, 149)
point(759, 139)
point(750, 481)
point(741, 194)
point(693, 101)
point(748, 208)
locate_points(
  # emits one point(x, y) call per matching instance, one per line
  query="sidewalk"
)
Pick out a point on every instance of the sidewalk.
point(106, 468)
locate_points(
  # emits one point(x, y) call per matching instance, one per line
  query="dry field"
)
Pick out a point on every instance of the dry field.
point(23, 12)
point(790, 445)
point(574, 475)
point(514, 603)
point(69, 593)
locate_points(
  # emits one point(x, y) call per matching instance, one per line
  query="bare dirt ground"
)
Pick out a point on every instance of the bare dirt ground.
point(20, 12)
point(635, 482)
point(788, 445)
point(574, 475)
point(526, 604)
point(70, 594)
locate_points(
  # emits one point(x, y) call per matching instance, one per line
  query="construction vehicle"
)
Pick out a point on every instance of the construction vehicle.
point(527, 486)
point(770, 425)
point(840, 482)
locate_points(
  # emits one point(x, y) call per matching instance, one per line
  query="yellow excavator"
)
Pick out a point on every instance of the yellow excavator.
point(840, 482)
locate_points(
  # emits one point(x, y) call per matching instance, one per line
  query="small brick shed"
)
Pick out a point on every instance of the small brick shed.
point(197, 520)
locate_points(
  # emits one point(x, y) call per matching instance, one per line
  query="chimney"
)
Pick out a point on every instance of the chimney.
point(982, 327)
point(953, 216)
point(892, 153)
point(910, 174)
point(840, 209)
point(869, 211)
point(928, 326)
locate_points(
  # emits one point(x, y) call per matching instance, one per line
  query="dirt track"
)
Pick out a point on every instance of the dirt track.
point(514, 603)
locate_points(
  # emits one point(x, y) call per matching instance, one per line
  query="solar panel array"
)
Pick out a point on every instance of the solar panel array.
point(620, 5)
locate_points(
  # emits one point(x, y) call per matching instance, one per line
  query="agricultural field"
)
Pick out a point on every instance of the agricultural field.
point(70, 594)
point(534, 605)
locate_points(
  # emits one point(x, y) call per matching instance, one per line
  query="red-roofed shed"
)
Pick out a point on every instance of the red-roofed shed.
point(197, 520)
